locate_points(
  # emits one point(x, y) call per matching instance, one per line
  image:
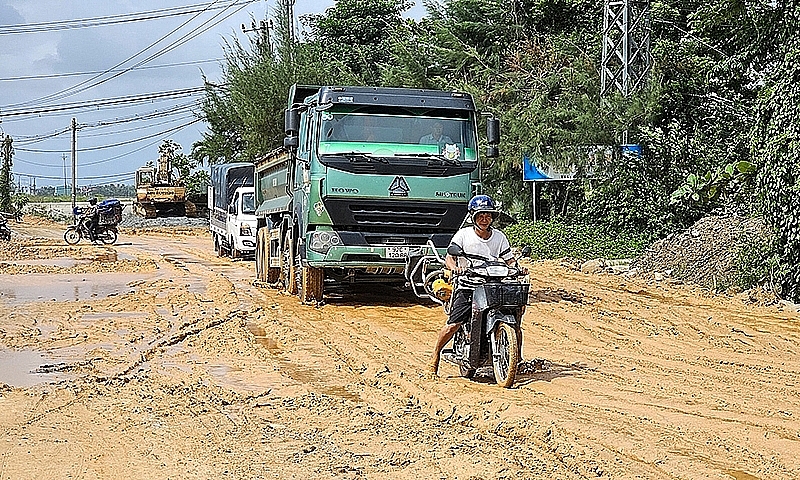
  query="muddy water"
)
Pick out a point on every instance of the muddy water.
point(21, 289)
point(24, 368)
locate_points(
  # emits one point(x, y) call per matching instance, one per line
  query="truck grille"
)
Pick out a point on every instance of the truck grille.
point(386, 215)
point(396, 216)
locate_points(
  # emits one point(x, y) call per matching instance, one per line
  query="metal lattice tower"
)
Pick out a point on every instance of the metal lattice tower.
point(626, 46)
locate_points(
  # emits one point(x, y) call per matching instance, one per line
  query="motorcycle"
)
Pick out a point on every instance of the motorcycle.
point(104, 233)
point(493, 335)
point(5, 232)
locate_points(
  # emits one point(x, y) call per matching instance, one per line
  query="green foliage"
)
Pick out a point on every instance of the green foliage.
point(759, 264)
point(708, 188)
point(778, 155)
point(555, 239)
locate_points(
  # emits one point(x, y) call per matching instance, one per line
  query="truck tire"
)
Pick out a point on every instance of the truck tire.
point(218, 246)
point(262, 255)
point(288, 267)
point(235, 253)
point(311, 284)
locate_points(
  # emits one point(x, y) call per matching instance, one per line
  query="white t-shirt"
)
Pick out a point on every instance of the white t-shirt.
point(494, 247)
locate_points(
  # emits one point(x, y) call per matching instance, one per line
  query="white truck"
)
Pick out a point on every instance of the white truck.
point(231, 205)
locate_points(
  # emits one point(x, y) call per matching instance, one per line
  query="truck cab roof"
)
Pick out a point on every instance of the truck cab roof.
point(380, 96)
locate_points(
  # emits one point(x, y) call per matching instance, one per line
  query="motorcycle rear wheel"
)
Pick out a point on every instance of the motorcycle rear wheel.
point(72, 236)
point(107, 236)
point(505, 358)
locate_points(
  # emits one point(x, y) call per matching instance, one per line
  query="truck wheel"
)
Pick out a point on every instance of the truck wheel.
point(288, 269)
point(311, 284)
point(262, 257)
point(218, 246)
point(235, 253)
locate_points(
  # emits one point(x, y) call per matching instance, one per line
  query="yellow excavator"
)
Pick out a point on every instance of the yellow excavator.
point(159, 193)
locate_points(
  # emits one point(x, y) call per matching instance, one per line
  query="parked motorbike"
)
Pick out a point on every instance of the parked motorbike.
point(5, 232)
point(493, 335)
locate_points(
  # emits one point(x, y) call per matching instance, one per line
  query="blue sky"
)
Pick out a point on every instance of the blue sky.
point(45, 66)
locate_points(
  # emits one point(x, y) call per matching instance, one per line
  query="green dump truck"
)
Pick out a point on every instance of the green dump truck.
point(366, 178)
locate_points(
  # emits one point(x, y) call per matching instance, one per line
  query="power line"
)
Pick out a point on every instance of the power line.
point(179, 109)
point(112, 19)
point(77, 74)
point(82, 86)
point(112, 145)
point(103, 102)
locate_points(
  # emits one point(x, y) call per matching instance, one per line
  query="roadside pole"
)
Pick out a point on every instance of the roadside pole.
point(74, 166)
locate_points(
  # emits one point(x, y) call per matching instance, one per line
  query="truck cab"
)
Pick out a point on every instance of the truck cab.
point(231, 203)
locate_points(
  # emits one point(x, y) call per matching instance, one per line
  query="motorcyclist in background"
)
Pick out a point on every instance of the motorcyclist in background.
point(91, 216)
point(477, 241)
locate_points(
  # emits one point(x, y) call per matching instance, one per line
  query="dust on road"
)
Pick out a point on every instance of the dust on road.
point(156, 359)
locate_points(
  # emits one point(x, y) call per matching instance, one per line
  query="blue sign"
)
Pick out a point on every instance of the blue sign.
point(633, 149)
point(542, 173)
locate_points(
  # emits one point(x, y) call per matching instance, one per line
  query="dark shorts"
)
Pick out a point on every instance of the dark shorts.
point(461, 307)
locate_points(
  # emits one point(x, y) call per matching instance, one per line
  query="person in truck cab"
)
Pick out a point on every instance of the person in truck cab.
point(436, 137)
point(478, 241)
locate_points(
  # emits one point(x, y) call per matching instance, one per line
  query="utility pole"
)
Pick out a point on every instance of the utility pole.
point(74, 161)
point(6, 180)
point(626, 46)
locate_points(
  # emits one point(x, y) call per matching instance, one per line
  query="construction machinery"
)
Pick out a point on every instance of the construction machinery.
point(159, 193)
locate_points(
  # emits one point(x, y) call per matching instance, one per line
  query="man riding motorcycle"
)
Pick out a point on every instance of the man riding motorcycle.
point(91, 216)
point(479, 241)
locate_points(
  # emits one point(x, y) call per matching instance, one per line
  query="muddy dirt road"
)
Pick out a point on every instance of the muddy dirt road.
point(155, 359)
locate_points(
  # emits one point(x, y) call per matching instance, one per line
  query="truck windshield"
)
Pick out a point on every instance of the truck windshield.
point(433, 135)
point(248, 203)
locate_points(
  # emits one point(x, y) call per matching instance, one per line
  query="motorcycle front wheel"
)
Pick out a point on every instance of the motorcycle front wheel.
point(505, 357)
point(107, 236)
point(72, 236)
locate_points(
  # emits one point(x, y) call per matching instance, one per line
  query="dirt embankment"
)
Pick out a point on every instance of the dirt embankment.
point(183, 369)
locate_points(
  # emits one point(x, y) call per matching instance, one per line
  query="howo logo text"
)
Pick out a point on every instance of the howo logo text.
point(343, 190)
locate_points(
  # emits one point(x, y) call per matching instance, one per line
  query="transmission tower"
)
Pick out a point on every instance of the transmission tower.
point(626, 46)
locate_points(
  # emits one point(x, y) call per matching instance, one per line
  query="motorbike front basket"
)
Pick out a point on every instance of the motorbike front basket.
point(506, 294)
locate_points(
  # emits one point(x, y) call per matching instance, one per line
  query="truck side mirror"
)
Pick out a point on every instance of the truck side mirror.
point(291, 122)
point(493, 131)
point(232, 209)
point(492, 137)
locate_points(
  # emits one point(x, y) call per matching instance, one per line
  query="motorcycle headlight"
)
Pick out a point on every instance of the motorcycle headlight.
point(497, 270)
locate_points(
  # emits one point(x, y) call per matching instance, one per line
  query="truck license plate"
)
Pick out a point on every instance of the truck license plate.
point(396, 252)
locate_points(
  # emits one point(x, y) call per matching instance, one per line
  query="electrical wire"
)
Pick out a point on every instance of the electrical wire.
point(77, 74)
point(14, 112)
point(112, 145)
point(108, 19)
point(87, 84)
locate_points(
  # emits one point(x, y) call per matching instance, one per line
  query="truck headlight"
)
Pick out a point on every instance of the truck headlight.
point(245, 231)
point(322, 241)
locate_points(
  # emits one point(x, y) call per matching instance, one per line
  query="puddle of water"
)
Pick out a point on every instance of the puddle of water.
point(19, 289)
point(17, 368)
